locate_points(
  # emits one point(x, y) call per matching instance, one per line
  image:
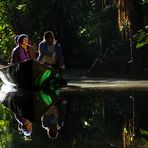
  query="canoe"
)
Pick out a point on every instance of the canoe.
point(27, 74)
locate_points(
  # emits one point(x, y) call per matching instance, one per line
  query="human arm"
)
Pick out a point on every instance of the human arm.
point(43, 49)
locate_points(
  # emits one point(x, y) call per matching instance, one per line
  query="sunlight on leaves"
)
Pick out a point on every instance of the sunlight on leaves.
point(21, 7)
point(141, 38)
point(144, 132)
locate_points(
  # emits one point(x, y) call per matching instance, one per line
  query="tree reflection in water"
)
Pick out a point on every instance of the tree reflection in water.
point(5, 131)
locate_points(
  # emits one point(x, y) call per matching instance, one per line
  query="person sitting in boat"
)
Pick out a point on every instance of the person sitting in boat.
point(23, 50)
point(20, 52)
point(32, 50)
point(50, 53)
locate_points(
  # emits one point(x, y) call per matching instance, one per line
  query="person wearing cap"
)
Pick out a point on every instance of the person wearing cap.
point(20, 52)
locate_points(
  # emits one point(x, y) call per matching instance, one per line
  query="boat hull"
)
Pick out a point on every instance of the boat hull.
point(27, 74)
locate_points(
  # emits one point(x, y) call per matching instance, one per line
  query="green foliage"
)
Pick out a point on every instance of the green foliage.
point(5, 136)
point(141, 38)
point(145, 1)
point(144, 132)
point(82, 27)
point(6, 36)
point(90, 40)
point(4, 113)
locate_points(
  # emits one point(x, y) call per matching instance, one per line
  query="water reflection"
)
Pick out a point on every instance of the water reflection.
point(88, 118)
point(53, 119)
point(24, 126)
point(31, 107)
point(107, 118)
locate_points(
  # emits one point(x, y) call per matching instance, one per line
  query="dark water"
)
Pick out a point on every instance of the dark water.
point(93, 118)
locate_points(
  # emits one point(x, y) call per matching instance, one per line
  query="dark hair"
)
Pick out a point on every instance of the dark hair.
point(48, 34)
point(21, 37)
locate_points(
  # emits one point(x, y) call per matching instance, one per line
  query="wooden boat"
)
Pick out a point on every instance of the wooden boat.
point(26, 75)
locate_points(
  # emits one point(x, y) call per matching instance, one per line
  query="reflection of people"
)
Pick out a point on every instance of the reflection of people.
point(51, 53)
point(53, 119)
point(24, 125)
point(22, 109)
point(50, 122)
point(20, 52)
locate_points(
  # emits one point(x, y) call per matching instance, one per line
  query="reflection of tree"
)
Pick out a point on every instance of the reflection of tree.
point(103, 115)
point(5, 133)
point(84, 113)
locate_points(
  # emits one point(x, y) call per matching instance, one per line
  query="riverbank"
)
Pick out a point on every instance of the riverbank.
point(78, 78)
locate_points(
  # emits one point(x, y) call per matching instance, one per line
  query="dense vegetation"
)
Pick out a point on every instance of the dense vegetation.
point(87, 30)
